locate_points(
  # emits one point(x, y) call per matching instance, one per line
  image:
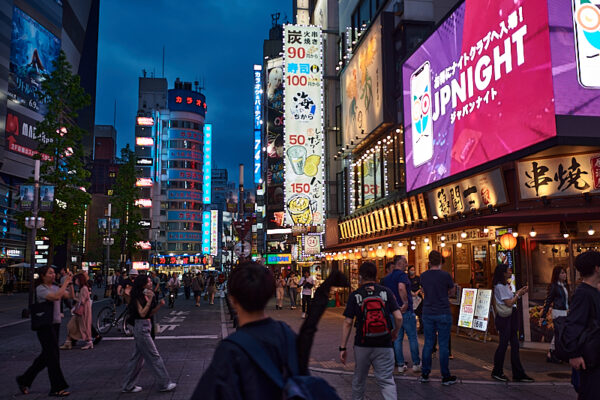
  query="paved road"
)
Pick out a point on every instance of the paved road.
point(190, 335)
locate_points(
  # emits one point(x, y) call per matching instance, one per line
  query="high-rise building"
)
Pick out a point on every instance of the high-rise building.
point(34, 32)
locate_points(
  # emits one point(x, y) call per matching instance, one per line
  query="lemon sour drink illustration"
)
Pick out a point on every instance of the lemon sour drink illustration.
point(299, 209)
point(311, 166)
point(297, 156)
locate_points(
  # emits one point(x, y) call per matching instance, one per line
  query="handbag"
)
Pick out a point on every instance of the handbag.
point(502, 310)
point(42, 314)
point(78, 309)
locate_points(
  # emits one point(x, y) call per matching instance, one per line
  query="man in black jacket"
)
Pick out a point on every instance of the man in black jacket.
point(585, 307)
point(232, 374)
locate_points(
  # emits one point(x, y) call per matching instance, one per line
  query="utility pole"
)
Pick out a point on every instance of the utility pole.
point(108, 241)
point(34, 223)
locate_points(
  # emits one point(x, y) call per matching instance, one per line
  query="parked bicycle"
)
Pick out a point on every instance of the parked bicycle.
point(107, 319)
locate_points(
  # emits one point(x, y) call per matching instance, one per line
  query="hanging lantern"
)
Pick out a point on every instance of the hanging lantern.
point(390, 253)
point(446, 252)
point(337, 257)
point(350, 255)
point(364, 253)
point(508, 241)
point(344, 256)
point(357, 254)
point(328, 257)
point(372, 253)
point(380, 252)
point(398, 249)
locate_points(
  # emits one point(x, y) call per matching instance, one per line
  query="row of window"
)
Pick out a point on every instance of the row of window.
point(180, 205)
point(182, 124)
point(184, 226)
point(182, 185)
point(196, 247)
point(183, 164)
point(182, 144)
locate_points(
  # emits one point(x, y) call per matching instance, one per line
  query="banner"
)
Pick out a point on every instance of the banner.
point(46, 198)
point(467, 309)
point(482, 309)
point(304, 140)
point(207, 165)
point(26, 194)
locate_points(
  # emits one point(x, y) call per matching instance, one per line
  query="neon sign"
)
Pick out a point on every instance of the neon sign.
point(206, 232)
point(258, 92)
point(144, 141)
point(206, 169)
point(145, 121)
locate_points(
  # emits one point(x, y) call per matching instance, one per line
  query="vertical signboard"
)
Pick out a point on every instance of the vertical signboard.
point(207, 164)
point(303, 97)
point(258, 122)
point(214, 232)
point(206, 232)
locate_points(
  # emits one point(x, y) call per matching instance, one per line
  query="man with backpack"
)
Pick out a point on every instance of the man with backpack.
point(373, 306)
point(579, 339)
point(260, 358)
point(437, 319)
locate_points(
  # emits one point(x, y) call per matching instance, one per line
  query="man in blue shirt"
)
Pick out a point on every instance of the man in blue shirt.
point(397, 281)
point(437, 286)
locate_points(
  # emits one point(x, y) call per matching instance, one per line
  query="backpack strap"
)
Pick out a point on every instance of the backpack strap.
point(292, 353)
point(253, 349)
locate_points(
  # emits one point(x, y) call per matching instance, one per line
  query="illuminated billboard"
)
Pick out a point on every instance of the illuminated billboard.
point(144, 141)
point(145, 121)
point(144, 203)
point(33, 49)
point(206, 232)
point(304, 141)
point(143, 182)
point(187, 100)
point(492, 79)
point(258, 122)
point(207, 165)
point(214, 232)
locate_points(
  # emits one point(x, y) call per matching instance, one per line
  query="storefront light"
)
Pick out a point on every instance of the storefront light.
point(426, 240)
point(566, 235)
point(442, 244)
point(443, 237)
point(591, 231)
point(486, 230)
point(428, 247)
point(459, 245)
point(413, 247)
point(463, 234)
point(533, 233)
point(515, 234)
point(413, 242)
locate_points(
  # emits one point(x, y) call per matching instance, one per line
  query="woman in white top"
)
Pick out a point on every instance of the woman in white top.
point(507, 324)
point(558, 299)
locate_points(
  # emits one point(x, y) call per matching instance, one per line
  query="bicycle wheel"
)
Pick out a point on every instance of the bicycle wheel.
point(104, 320)
point(127, 328)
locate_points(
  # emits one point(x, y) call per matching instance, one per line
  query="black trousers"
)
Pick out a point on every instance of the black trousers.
point(508, 330)
point(50, 358)
point(589, 384)
point(306, 299)
point(187, 291)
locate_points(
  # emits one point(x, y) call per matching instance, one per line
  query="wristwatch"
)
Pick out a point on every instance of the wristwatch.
point(342, 348)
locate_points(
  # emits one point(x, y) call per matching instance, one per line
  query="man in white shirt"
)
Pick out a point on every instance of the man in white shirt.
point(307, 283)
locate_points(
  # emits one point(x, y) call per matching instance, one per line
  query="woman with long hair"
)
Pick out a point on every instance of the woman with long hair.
point(142, 307)
point(48, 335)
point(279, 289)
point(558, 299)
point(507, 324)
point(80, 324)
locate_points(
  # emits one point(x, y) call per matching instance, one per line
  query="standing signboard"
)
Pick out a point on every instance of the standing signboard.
point(303, 111)
point(481, 313)
point(467, 303)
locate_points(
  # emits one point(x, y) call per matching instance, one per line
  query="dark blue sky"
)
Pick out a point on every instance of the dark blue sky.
point(214, 40)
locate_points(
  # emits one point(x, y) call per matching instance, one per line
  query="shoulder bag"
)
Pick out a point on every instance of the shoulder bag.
point(42, 313)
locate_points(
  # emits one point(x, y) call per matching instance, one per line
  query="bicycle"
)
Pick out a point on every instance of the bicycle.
point(107, 318)
point(172, 296)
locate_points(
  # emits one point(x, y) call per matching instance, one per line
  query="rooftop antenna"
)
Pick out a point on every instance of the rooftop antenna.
point(163, 62)
point(275, 19)
point(144, 72)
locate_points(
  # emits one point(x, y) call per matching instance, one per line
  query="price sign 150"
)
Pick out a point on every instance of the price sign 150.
point(301, 187)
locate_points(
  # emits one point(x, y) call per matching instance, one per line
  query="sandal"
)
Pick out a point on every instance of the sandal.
point(24, 389)
point(62, 393)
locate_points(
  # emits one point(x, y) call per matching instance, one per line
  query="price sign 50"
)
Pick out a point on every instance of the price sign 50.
point(297, 139)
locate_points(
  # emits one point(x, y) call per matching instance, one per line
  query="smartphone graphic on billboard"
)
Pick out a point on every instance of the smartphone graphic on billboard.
point(422, 124)
point(586, 20)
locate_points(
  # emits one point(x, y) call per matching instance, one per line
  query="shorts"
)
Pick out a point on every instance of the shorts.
point(197, 293)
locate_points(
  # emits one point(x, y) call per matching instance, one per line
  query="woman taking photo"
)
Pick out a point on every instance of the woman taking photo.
point(80, 325)
point(292, 285)
point(48, 335)
point(507, 324)
point(142, 307)
point(279, 289)
point(558, 299)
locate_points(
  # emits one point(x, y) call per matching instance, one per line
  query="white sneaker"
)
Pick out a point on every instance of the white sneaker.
point(169, 387)
point(303, 315)
point(402, 368)
point(417, 368)
point(134, 389)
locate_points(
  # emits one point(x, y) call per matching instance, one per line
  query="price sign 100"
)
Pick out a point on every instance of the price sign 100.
point(296, 80)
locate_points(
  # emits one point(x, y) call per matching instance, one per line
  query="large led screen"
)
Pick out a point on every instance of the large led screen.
point(33, 49)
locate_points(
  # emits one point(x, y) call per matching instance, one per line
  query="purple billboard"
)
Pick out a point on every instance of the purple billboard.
point(491, 80)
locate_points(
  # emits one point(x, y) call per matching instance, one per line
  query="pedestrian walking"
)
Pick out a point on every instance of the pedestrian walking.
point(197, 287)
point(374, 307)
point(417, 295)
point(292, 285)
point(279, 290)
point(507, 324)
point(211, 288)
point(389, 267)
point(233, 373)
point(558, 299)
point(126, 284)
point(397, 281)
point(142, 307)
point(187, 285)
point(437, 286)
point(306, 283)
point(80, 324)
point(48, 336)
point(580, 334)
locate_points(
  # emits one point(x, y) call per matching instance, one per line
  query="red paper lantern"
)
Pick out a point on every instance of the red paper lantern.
point(508, 241)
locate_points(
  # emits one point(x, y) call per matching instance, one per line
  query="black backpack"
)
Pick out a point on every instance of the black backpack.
point(293, 385)
point(374, 320)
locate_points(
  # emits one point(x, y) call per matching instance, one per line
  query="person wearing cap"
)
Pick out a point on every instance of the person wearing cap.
point(126, 284)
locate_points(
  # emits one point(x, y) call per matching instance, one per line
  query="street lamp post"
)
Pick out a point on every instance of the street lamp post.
point(108, 241)
point(34, 223)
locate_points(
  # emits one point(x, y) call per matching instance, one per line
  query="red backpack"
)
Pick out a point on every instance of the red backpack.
point(374, 321)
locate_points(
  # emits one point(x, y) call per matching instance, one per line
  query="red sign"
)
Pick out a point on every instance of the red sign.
point(595, 161)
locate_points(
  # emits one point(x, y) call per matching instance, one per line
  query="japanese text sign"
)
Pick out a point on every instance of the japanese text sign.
point(481, 313)
point(187, 100)
point(207, 165)
point(304, 148)
point(559, 176)
point(206, 232)
point(473, 193)
point(214, 232)
point(467, 309)
point(258, 122)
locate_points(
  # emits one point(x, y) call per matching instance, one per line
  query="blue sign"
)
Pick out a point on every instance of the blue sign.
point(183, 195)
point(207, 165)
point(187, 100)
point(184, 236)
point(257, 157)
point(258, 91)
point(279, 258)
point(33, 49)
point(206, 232)
point(183, 215)
point(185, 174)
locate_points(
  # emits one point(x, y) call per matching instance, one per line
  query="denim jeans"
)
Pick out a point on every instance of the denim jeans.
point(382, 360)
point(439, 325)
point(409, 325)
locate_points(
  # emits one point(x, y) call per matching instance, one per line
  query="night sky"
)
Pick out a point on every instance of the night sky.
point(216, 41)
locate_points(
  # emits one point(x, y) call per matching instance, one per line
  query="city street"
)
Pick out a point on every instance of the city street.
point(190, 335)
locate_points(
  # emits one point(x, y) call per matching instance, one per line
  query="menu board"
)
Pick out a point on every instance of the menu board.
point(482, 309)
point(467, 308)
